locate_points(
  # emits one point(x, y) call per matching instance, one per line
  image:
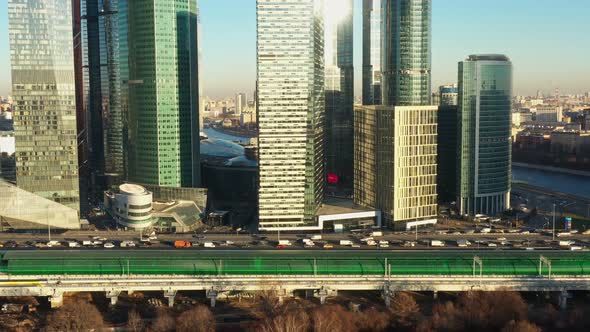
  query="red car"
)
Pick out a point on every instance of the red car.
point(281, 246)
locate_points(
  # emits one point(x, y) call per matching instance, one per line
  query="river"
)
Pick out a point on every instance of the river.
point(577, 185)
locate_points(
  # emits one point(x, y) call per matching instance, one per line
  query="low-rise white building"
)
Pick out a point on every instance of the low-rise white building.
point(131, 205)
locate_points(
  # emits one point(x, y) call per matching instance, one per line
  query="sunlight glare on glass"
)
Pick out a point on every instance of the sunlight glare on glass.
point(337, 10)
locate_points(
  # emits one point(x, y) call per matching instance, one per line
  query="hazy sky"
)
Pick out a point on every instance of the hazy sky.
point(547, 40)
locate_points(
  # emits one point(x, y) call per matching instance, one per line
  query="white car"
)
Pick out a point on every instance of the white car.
point(109, 245)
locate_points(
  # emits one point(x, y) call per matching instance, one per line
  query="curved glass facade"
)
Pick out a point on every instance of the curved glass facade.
point(43, 87)
point(406, 52)
point(485, 93)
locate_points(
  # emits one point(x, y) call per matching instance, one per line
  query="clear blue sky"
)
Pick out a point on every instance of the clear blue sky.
point(548, 41)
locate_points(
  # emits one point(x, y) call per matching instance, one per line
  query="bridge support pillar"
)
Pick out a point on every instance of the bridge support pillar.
point(563, 296)
point(387, 295)
point(212, 295)
point(56, 300)
point(170, 295)
point(114, 296)
point(324, 292)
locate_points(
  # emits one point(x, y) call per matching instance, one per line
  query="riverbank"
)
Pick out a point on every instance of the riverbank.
point(553, 169)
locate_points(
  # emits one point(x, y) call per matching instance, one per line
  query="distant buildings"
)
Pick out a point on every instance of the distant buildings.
point(449, 95)
point(399, 176)
point(548, 113)
point(485, 94)
point(241, 103)
point(372, 52)
point(163, 129)
point(43, 87)
point(406, 53)
point(339, 85)
point(290, 93)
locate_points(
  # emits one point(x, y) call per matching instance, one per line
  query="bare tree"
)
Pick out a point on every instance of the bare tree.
point(164, 322)
point(404, 310)
point(330, 318)
point(521, 326)
point(197, 319)
point(477, 311)
point(269, 302)
point(295, 321)
point(134, 322)
point(372, 320)
point(75, 316)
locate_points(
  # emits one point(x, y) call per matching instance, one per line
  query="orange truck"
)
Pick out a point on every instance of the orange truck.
point(182, 244)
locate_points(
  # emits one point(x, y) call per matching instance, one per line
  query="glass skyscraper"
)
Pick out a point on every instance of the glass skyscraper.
point(406, 52)
point(484, 154)
point(163, 121)
point(339, 85)
point(371, 52)
point(43, 87)
point(290, 93)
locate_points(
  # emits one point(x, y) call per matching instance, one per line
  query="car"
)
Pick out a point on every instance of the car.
point(328, 246)
point(281, 246)
point(109, 245)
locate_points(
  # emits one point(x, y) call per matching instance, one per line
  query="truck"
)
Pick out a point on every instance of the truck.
point(316, 237)
point(462, 243)
point(437, 243)
point(486, 230)
point(345, 243)
point(377, 233)
point(209, 245)
point(73, 244)
point(285, 242)
point(86, 243)
point(566, 243)
point(182, 244)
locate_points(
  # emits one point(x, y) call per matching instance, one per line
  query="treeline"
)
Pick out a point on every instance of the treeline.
point(503, 311)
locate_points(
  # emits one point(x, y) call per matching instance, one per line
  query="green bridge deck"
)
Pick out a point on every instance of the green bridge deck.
point(291, 262)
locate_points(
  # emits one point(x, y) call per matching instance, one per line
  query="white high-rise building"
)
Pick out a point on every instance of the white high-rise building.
point(241, 102)
point(290, 61)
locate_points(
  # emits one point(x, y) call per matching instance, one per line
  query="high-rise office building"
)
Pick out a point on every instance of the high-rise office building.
point(484, 155)
point(406, 52)
point(163, 128)
point(372, 52)
point(290, 95)
point(104, 107)
point(399, 176)
point(448, 94)
point(43, 87)
point(339, 85)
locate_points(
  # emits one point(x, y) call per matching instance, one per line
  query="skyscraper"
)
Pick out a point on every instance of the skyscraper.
point(103, 129)
point(372, 52)
point(484, 156)
point(163, 128)
point(399, 173)
point(406, 52)
point(43, 86)
point(290, 61)
point(339, 84)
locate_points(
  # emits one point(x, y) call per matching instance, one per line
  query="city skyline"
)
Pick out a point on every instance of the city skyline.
point(536, 36)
